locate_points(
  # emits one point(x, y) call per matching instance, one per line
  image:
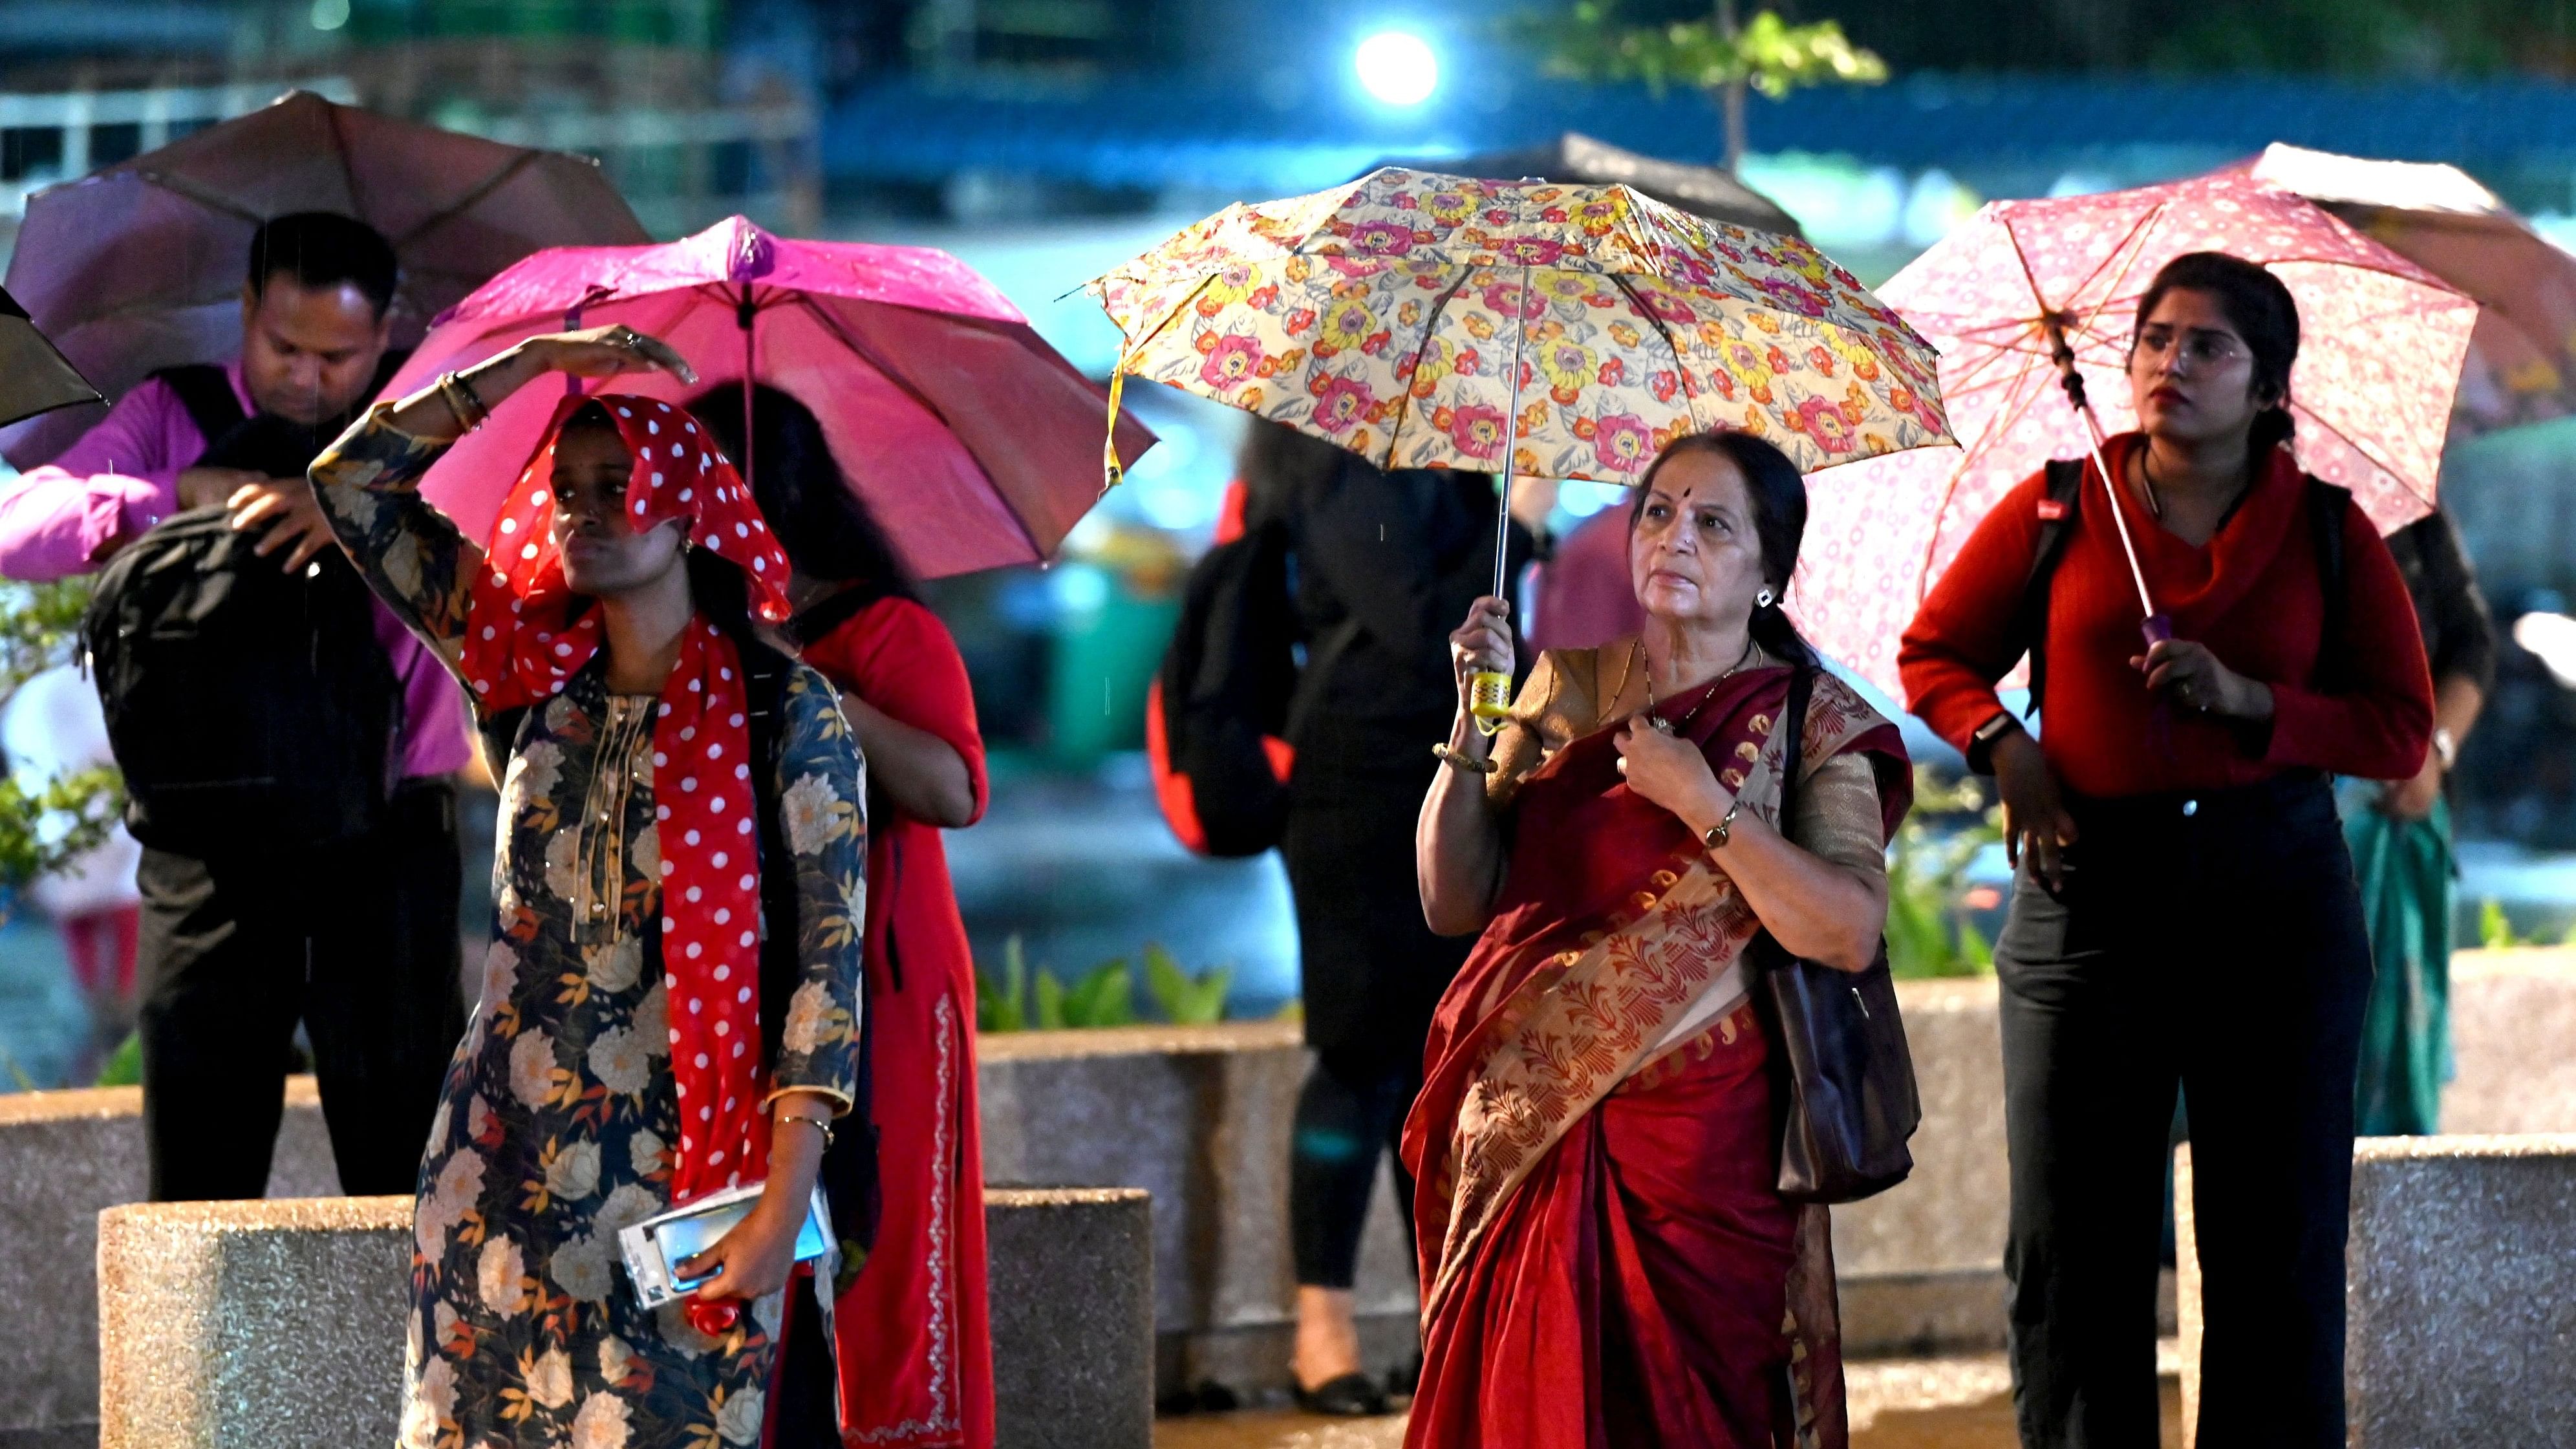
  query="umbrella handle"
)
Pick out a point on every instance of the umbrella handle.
point(1489, 693)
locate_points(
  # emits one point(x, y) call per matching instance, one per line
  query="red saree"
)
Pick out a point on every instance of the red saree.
point(1605, 1260)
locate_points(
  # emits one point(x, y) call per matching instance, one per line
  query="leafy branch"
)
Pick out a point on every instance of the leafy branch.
point(42, 830)
point(1714, 54)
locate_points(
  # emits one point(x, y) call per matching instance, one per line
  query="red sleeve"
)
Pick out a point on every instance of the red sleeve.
point(1961, 640)
point(2380, 726)
point(896, 655)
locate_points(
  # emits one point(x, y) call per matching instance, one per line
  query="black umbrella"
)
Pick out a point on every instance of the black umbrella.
point(34, 378)
point(1578, 159)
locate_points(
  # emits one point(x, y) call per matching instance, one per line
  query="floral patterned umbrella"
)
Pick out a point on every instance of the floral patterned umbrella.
point(1386, 316)
point(2381, 347)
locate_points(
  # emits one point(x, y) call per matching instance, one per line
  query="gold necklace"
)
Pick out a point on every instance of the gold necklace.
point(1684, 723)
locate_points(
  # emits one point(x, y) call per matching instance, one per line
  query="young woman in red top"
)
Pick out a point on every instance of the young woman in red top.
point(916, 1359)
point(2184, 910)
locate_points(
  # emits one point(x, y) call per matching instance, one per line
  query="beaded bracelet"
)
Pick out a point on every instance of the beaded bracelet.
point(1448, 756)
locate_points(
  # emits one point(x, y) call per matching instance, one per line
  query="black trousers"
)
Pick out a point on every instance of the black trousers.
point(1350, 1113)
point(357, 941)
point(2214, 944)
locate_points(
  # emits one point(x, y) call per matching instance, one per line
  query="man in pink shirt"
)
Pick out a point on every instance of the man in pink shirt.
point(357, 940)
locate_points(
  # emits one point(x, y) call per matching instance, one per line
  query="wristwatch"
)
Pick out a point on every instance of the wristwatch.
point(2445, 749)
point(1981, 744)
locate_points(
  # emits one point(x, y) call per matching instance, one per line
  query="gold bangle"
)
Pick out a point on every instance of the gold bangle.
point(819, 1124)
point(462, 401)
point(1448, 756)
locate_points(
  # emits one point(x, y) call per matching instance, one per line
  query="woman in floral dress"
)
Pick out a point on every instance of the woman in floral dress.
point(617, 1063)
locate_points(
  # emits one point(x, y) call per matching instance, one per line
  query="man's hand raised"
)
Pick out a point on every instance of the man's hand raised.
point(292, 516)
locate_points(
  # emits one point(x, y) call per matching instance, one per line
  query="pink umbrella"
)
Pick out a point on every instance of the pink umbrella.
point(972, 441)
point(2382, 343)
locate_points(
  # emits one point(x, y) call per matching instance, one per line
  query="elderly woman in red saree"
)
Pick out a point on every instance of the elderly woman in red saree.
point(1606, 1259)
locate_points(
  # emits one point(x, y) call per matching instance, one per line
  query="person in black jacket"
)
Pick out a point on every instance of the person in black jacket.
point(1381, 564)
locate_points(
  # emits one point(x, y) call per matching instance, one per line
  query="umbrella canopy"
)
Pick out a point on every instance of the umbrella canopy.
point(1578, 159)
point(1422, 320)
point(140, 266)
point(2379, 357)
point(34, 378)
point(972, 441)
point(2520, 368)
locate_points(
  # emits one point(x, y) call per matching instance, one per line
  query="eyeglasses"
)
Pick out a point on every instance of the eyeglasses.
point(2201, 346)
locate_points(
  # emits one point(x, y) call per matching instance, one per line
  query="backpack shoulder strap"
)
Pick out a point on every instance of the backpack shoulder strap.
point(2058, 512)
point(2327, 507)
point(207, 394)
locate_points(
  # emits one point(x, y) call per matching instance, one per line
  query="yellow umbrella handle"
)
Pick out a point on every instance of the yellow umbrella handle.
point(1489, 699)
point(1112, 472)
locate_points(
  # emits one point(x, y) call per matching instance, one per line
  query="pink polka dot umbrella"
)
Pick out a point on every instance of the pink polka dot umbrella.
point(2379, 360)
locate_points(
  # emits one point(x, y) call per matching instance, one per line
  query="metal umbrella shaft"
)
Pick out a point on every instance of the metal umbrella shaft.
point(1490, 691)
point(2156, 626)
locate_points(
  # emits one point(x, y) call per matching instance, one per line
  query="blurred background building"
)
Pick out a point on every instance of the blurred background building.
point(1045, 140)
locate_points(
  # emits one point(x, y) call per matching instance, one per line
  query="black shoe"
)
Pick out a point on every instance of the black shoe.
point(1404, 1378)
point(1352, 1396)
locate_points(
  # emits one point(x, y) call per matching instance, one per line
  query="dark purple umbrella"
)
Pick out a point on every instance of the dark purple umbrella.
point(139, 266)
point(34, 378)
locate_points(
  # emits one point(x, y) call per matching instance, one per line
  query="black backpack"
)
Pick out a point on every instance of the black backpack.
point(849, 1176)
point(1230, 695)
point(2326, 507)
point(250, 710)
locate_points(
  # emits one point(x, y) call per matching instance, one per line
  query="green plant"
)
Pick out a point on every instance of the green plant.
point(1185, 1000)
point(2495, 931)
point(1717, 55)
point(1023, 1000)
point(43, 829)
point(1103, 996)
point(1929, 930)
point(124, 1067)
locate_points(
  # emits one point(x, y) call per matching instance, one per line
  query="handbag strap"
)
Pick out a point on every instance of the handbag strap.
point(1802, 687)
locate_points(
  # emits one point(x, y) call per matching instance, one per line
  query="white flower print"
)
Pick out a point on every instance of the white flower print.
point(644, 853)
point(444, 1321)
point(438, 1125)
point(809, 807)
point(500, 1275)
point(809, 1019)
point(550, 1383)
point(581, 1266)
point(644, 1152)
point(431, 1398)
point(739, 1420)
point(653, 1020)
point(536, 772)
point(614, 1359)
point(574, 1174)
point(478, 1116)
point(601, 1424)
point(619, 1060)
point(560, 852)
point(452, 1194)
point(614, 967)
point(532, 1067)
point(627, 1204)
point(500, 976)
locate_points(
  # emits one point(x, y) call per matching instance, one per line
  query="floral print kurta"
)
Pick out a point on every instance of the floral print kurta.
point(558, 1117)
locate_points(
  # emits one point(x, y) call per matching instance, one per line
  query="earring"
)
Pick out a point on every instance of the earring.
point(1764, 599)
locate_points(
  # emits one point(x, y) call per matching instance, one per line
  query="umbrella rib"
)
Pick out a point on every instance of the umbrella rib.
point(1430, 327)
point(169, 181)
point(869, 356)
point(1996, 426)
point(1681, 369)
point(485, 188)
point(348, 170)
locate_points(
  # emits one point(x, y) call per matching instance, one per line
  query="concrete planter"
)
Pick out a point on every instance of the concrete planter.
point(280, 1323)
point(2460, 1293)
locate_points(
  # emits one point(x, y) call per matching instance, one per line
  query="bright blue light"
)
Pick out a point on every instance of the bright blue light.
point(1397, 68)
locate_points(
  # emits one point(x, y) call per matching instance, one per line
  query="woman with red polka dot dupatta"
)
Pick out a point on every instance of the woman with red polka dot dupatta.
point(648, 1033)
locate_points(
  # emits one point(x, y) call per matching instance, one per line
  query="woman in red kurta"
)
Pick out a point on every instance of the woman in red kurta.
point(2185, 911)
point(1606, 1257)
point(916, 1357)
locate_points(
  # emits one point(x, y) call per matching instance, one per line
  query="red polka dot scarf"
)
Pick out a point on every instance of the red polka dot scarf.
point(526, 633)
